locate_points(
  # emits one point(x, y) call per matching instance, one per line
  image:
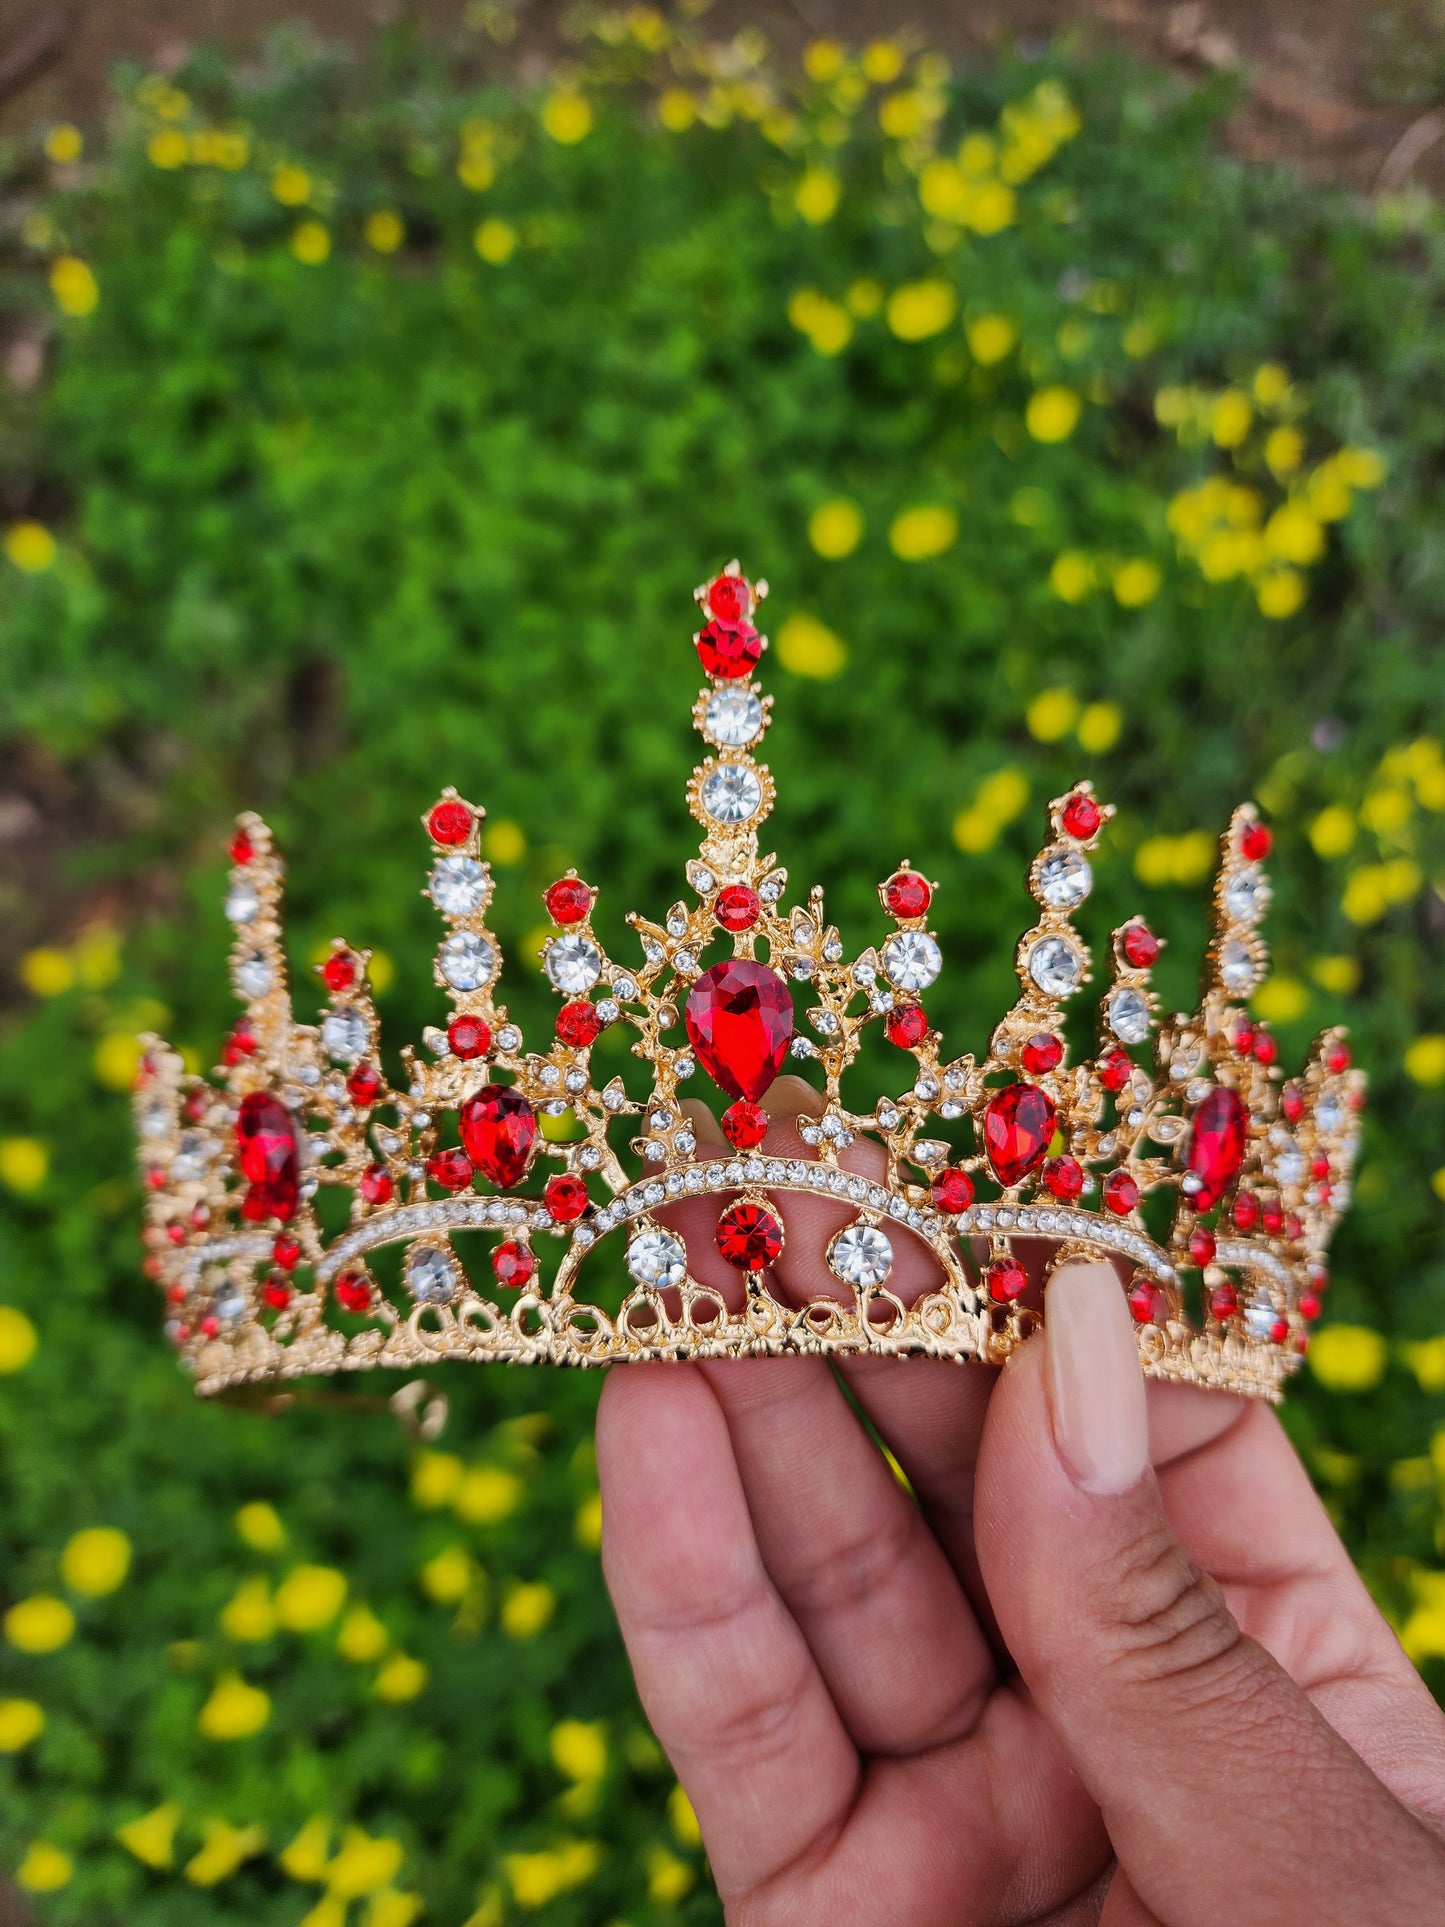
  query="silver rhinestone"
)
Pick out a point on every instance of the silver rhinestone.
point(1062, 877)
point(1246, 895)
point(861, 1256)
point(911, 960)
point(733, 718)
point(243, 901)
point(732, 793)
point(254, 975)
point(1055, 966)
point(343, 1034)
point(509, 1038)
point(573, 963)
point(625, 989)
point(457, 885)
point(1237, 969)
point(1129, 1015)
point(802, 1047)
point(685, 963)
point(677, 926)
point(431, 1276)
point(467, 960)
point(683, 1066)
point(685, 1142)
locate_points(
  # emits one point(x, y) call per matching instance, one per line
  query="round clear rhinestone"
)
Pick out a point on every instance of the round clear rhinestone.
point(1237, 971)
point(656, 1259)
point(243, 901)
point(732, 792)
point(1246, 895)
point(733, 718)
point(1129, 1015)
point(343, 1034)
point(911, 960)
point(467, 960)
point(1062, 877)
point(458, 885)
point(861, 1256)
point(1329, 1114)
point(1056, 966)
point(573, 963)
point(431, 1276)
point(255, 975)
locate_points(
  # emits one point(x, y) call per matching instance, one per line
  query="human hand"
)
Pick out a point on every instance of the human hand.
point(1113, 1665)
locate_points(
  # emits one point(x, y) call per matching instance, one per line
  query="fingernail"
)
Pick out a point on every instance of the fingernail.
point(1095, 1386)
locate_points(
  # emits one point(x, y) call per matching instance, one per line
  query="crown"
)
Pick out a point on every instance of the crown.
point(307, 1215)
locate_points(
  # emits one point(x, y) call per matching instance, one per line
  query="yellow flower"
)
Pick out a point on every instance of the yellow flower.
point(1327, 494)
point(1052, 414)
point(117, 1054)
point(864, 296)
point(526, 1609)
point(31, 547)
point(505, 841)
point(310, 1597)
point(487, 1495)
point(1425, 1059)
point(401, 1678)
point(1280, 592)
point(1385, 810)
point(448, 1577)
point(822, 60)
point(258, 1525)
point(992, 207)
point(920, 308)
point(1366, 899)
point(835, 529)
point(1280, 1000)
point(96, 1561)
point(1270, 384)
point(311, 242)
point(224, 1848)
point(1294, 535)
point(1332, 831)
point(1360, 467)
point(1099, 726)
point(64, 143)
point(476, 169)
point(1230, 418)
point(305, 1858)
point(567, 117)
point(495, 241)
point(538, 1878)
point(291, 185)
point(21, 1721)
point(24, 1163)
point(587, 1526)
point(97, 956)
point(807, 647)
point(1339, 975)
point(977, 154)
point(168, 148)
point(44, 1868)
point(1348, 1358)
point(1136, 582)
point(676, 109)
point(328, 1912)
point(364, 1864)
point(920, 533)
point(362, 1637)
point(1140, 338)
point(152, 1837)
point(944, 191)
point(579, 1748)
point(73, 285)
point(816, 195)
point(882, 61)
point(684, 1820)
point(234, 1711)
point(390, 1908)
point(1284, 450)
point(39, 1624)
point(668, 1878)
point(249, 1615)
point(47, 972)
point(1072, 576)
point(435, 1477)
point(990, 337)
point(1052, 714)
point(384, 231)
point(17, 1340)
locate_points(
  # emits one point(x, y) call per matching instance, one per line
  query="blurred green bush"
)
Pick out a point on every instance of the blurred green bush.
point(391, 417)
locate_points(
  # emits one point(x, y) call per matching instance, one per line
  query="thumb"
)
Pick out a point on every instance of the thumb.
point(1225, 1794)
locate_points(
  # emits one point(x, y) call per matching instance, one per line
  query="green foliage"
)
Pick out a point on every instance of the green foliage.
point(338, 524)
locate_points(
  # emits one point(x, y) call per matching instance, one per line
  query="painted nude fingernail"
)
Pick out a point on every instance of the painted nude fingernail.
point(1095, 1386)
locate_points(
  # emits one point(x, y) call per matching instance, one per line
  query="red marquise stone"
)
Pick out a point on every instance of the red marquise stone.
point(907, 895)
point(906, 1025)
point(578, 1025)
point(1145, 1301)
point(242, 848)
point(1081, 816)
point(1007, 1281)
point(1140, 945)
point(749, 1236)
point(1255, 842)
point(1115, 1069)
point(951, 1190)
point(267, 1157)
point(1242, 1037)
point(340, 970)
point(744, 1124)
point(739, 1018)
point(353, 1289)
point(452, 1170)
point(1017, 1127)
point(568, 900)
point(1310, 1304)
point(1064, 1177)
point(450, 822)
point(737, 907)
point(286, 1251)
point(515, 1265)
point(1201, 1245)
point(499, 1131)
point(1224, 1301)
point(1121, 1192)
point(730, 597)
point(276, 1294)
point(1271, 1218)
point(1292, 1103)
point(1215, 1146)
point(1042, 1052)
point(364, 1084)
point(375, 1184)
point(1266, 1049)
point(1246, 1211)
point(728, 650)
point(241, 1043)
point(565, 1196)
point(469, 1037)
point(1337, 1058)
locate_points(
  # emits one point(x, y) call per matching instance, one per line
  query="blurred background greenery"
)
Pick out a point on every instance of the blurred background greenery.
point(369, 419)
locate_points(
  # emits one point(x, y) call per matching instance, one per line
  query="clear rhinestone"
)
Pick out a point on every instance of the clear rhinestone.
point(243, 901)
point(683, 1066)
point(656, 1259)
point(1056, 966)
point(911, 960)
point(1246, 895)
point(1062, 878)
point(1129, 1015)
point(861, 1256)
point(1237, 970)
point(155, 1120)
point(732, 793)
point(654, 1152)
point(589, 1157)
point(771, 890)
point(685, 963)
point(733, 718)
point(626, 989)
point(685, 1142)
point(576, 1080)
point(458, 885)
point(677, 926)
point(343, 1034)
point(614, 1098)
point(255, 975)
point(1259, 1317)
point(1289, 1165)
point(573, 963)
point(801, 1047)
point(703, 881)
point(467, 960)
point(864, 974)
point(1329, 1114)
point(193, 1152)
point(431, 1276)
point(803, 968)
point(607, 1010)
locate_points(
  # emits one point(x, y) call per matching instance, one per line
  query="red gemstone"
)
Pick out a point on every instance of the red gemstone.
point(156, 1178)
point(1292, 1103)
point(1337, 1058)
point(565, 1196)
point(730, 597)
point(1043, 1052)
point(952, 1190)
point(578, 1025)
point(267, 1156)
point(499, 1130)
point(1201, 1245)
point(1293, 1225)
point(1216, 1146)
point(242, 848)
point(1081, 816)
point(1271, 1218)
point(1007, 1281)
point(1319, 1165)
point(340, 970)
point(1146, 1301)
point(515, 1264)
point(906, 895)
point(1246, 1211)
point(1121, 1192)
point(1064, 1177)
point(241, 1043)
point(1255, 842)
point(176, 1232)
point(1017, 1127)
point(209, 1325)
point(286, 1251)
point(375, 1184)
point(737, 907)
point(1224, 1301)
point(739, 1018)
point(729, 649)
point(450, 822)
point(1140, 945)
point(906, 1025)
point(353, 1289)
point(469, 1037)
point(452, 1170)
point(1310, 1304)
point(364, 1084)
point(1266, 1049)
point(197, 1103)
point(1279, 1331)
point(568, 900)
point(276, 1293)
point(1242, 1037)
point(744, 1124)
point(1115, 1069)
point(749, 1236)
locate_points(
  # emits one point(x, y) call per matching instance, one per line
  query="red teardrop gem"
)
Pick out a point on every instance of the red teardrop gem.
point(1215, 1149)
point(739, 1019)
point(266, 1154)
point(499, 1129)
point(1017, 1127)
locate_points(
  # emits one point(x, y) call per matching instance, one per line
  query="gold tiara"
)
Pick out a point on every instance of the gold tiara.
point(306, 1214)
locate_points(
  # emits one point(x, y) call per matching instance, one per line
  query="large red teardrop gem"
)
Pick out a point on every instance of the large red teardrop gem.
point(739, 1019)
point(1215, 1149)
point(1017, 1128)
point(499, 1129)
point(266, 1152)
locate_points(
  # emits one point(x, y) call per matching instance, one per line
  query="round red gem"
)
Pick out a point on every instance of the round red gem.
point(453, 1169)
point(1140, 945)
point(1310, 1305)
point(952, 1190)
point(375, 1184)
point(340, 970)
point(749, 1236)
point(739, 1019)
point(286, 1251)
point(241, 1043)
point(1271, 1217)
point(209, 1325)
point(1266, 1049)
point(745, 1124)
point(1064, 1177)
point(906, 1025)
point(1081, 816)
point(578, 1025)
point(200, 1217)
point(1043, 1052)
point(737, 907)
point(1255, 842)
point(1319, 1165)
point(1292, 1103)
point(1017, 1127)
point(1337, 1058)
point(1279, 1331)
point(176, 1232)
point(1201, 1245)
point(1242, 1037)
point(1121, 1192)
point(267, 1155)
point(364, 1084)
point(499, 1130)
point(469, 1037)
point(1246, 1211)
point(515, 1264)
point(353, 1290)
point(730, 597)
point(1115, 1069)
point(175, 1294)
point(198, 1102)
point(1007, 1281)
point(728, 650)
point(1224, 1301)
point(450, 822)
point(907, 895)
point(1215, 1149)
point(156, 1178)
point(242, 848)
point(568, 900)
point(565, 1196)
point(276, 1293)
point(1145, 1301)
